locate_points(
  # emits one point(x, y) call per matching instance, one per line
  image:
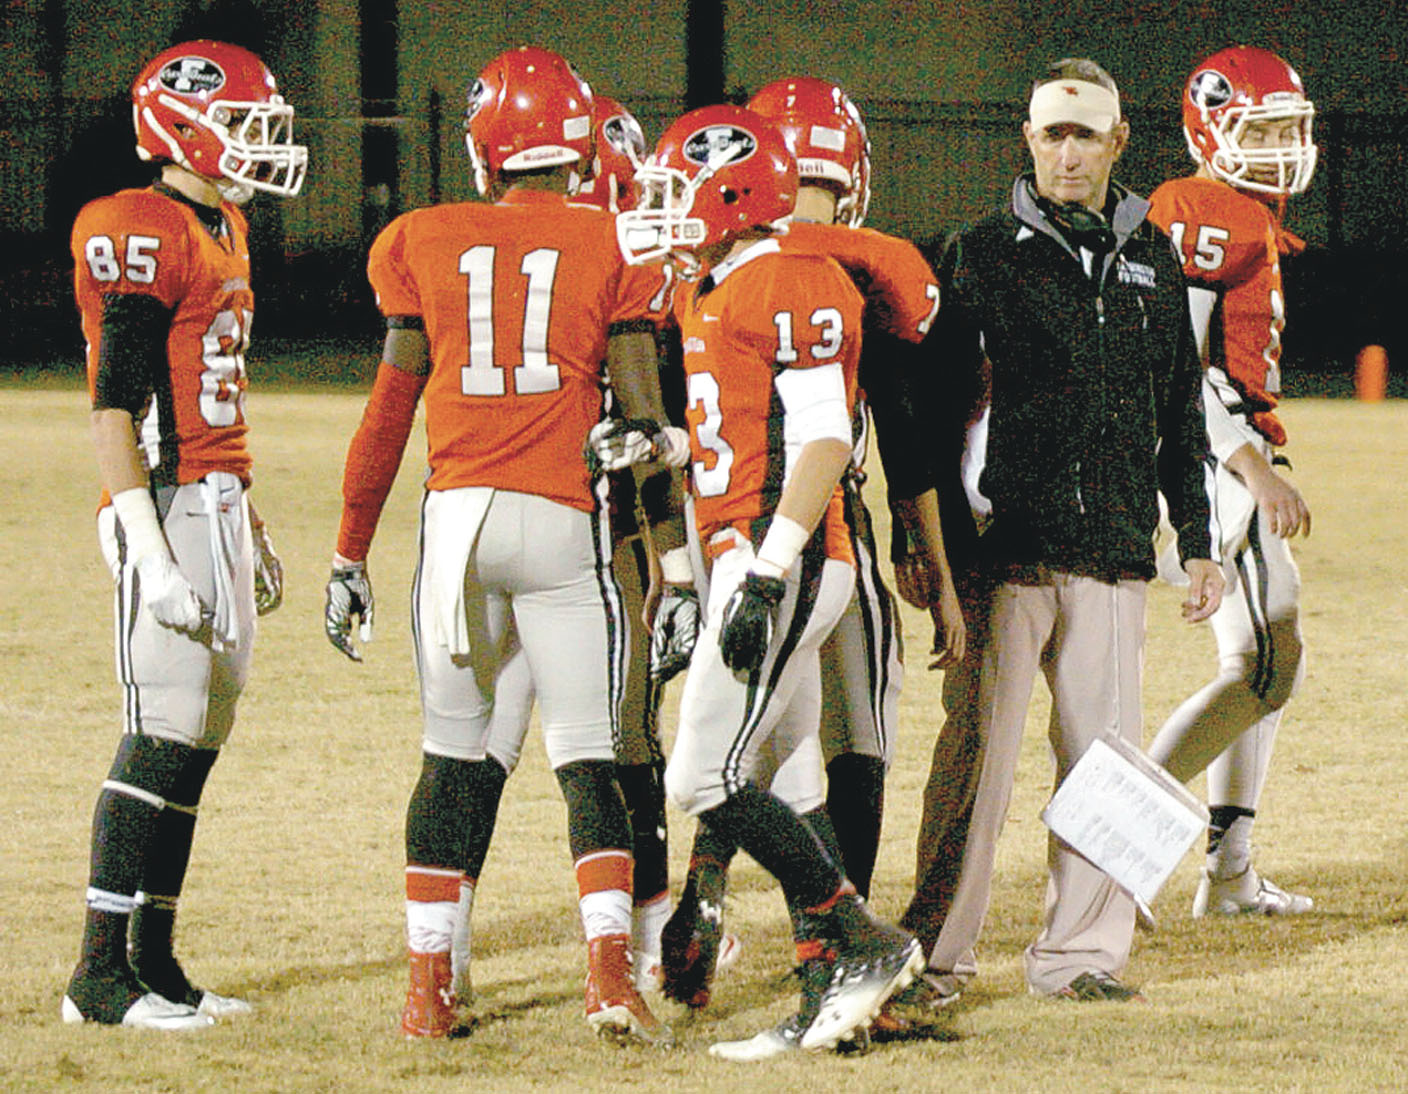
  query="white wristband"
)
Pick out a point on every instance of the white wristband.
point(781, 546)
point(137, 515)
point(675, 568)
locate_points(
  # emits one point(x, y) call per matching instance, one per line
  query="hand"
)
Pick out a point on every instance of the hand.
point(1281, 504)
point(268, 573)
point(914, 580)
point(747, 626)
point(950, 631)
point(164, 590)
point(349, 596)
point(1204, 589)
point(674, 633)
point(614, 444)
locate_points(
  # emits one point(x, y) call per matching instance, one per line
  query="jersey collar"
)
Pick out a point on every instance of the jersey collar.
point(762, 247)
point(532, 197)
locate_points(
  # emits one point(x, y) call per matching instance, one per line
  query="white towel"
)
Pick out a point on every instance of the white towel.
point(452, 520)
point(222, 494)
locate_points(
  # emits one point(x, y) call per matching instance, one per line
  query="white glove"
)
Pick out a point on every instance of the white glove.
point(349, 597)
point(161, 586)
point(614, 444)
point(164, 590)
point(268, 573)
point(675, 632)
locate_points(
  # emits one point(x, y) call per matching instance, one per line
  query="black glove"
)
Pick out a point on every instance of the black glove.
point(747, 626)
point(675, 631)
point(349, 595)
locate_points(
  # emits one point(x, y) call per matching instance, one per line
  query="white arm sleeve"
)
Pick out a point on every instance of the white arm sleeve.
point(1227, 432)
point(814, 404)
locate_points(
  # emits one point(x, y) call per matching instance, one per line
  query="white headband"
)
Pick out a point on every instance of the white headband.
point(1075, 102)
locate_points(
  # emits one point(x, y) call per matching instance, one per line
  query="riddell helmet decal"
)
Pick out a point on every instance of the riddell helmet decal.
point(192, 76)
point(1210, 89)
point(705, 144)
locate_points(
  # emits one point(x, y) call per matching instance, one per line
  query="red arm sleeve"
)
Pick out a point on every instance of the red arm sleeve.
point(374, 457)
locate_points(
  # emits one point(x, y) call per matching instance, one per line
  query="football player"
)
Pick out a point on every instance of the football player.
point(620, 147)
point(862, 658)
point(163, 285)
point(770, 344)
point(515, 545)
point(1248, 125)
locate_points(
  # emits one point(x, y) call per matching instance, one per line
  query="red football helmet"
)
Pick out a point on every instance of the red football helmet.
point(826, 134)
point(620, 149)
point(1240, 87)
point(717, 171)
point(528, 109)
point(213, 109)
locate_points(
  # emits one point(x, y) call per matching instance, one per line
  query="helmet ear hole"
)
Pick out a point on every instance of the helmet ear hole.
point(730, 197)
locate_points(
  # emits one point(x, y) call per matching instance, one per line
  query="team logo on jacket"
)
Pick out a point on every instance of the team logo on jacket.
point(716, 145)
point(1210, 89)
point(1135, 273)
point(192, 76)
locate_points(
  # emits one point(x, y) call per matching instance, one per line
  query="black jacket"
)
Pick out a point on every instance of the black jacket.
point(1095, 398)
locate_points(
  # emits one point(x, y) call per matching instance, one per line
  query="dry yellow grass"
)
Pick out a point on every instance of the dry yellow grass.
point(294, 896)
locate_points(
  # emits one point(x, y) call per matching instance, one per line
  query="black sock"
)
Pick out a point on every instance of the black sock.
point(596, 812)
point(486, 788)
point(437, 816)
point(855, 799)
point(780, 841)
point(124, 827)
point(154, 921)
point(643, 788)
point(1220, 818)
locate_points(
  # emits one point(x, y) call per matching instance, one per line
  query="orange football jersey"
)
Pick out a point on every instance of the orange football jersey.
point(517, 298)
point(900, 290)
point(1231, 243)
point(770, 312)
point(143, 241)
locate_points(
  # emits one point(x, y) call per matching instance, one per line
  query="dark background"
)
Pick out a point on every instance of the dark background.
point(379, 89)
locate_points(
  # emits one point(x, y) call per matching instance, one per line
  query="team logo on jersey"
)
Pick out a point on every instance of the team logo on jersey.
point(717, 145)
point(1210, 89)
point(1136, 273)
point(192, 76)
point(693, 344)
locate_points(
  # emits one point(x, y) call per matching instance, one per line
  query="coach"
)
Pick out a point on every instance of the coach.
point(1074, 305)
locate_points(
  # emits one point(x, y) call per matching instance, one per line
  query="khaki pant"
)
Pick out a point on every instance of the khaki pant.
point(1086, 637)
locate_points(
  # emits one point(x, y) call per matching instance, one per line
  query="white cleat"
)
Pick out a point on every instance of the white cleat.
point(1247, 893)
point(222, 1006)
point(762, 1046)
point(730, 950)
point(859, 988)
point(150, 1011)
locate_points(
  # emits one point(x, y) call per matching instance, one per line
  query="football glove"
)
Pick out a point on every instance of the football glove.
point(268, 573)
point(747, 623)
point(164, 590)
point(675, 631)
point(349, 596)
point(614, 444)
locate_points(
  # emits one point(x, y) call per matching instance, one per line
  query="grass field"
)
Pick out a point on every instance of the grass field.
point(294, 896)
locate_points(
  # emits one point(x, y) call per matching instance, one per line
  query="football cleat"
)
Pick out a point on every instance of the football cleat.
point(614, 1007)
point(1098, 987)
point(1246, 893)
point(873, 961)
point(430, 1006)
point(222, 1006)
point(118, 1000)
point(787, 1036)
point(917, 1007)
point(691, 944)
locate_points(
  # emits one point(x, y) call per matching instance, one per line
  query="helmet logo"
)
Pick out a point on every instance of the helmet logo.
point(718, 145)
point(1210, 89)
point(623, 135)
point(192, 76)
